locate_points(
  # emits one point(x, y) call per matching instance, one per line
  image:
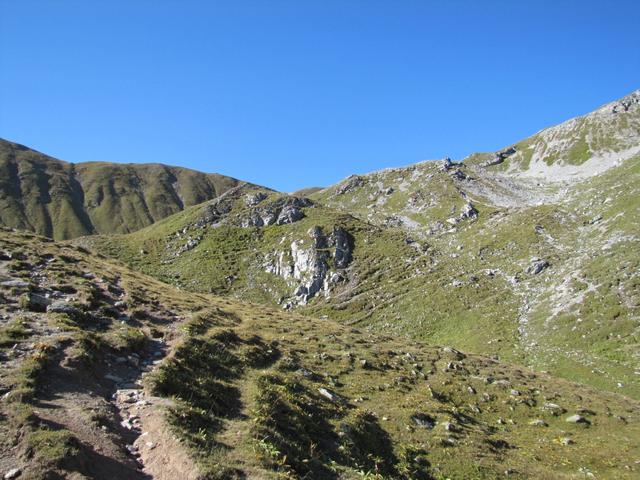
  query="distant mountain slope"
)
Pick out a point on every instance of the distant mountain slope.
point(578, 148)
point(428, 197)
point(63, 200)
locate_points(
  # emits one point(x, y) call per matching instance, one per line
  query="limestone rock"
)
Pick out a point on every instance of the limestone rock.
point(289, 214)
point(454, 353)
point(37, 302)
point(14, 284)
point(538, 423)
point(468, 211)
point(350, 183)
point(500, 157)
point(553, 408)
point(307, 264)
point(537, 266)
point(282, 211)
point(254, 199)
point(458, 174)
point(328, 395)
point(423, 420)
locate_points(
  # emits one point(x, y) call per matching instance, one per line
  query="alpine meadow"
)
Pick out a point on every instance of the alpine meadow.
point(451, 319)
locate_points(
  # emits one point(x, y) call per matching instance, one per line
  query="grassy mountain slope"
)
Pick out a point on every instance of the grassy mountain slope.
point(63, 200)
point(99, 360)
point(535, 271)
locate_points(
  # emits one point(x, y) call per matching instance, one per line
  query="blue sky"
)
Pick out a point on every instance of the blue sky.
point(297, 93)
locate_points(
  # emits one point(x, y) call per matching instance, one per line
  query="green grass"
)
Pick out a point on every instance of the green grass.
point(51, 448)
point(25, 381)
point(15, 331)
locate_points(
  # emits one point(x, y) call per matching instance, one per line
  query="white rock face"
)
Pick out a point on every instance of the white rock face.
point(307, 265)
point(562, 172)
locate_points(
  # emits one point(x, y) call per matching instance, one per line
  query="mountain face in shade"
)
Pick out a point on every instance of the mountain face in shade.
point(63, 200)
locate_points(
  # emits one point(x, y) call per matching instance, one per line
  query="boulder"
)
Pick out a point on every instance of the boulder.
point(328, 395)
point(453, 352)
point(289, 214)
point(423, 420)
point(537, 266)
point(538, 423)
point(553, 408)
point(60, 306)
point(577, 419)
point(468, 211)
point(38, 303)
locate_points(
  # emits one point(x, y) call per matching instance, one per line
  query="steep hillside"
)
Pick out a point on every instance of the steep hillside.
point(266, 246)
point(63, 200)
point(107, 373)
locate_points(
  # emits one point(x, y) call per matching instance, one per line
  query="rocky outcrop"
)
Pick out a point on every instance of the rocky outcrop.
point(217, 209)
point(343, 243)
point(468, 211)
point(458, 174)
point(289, 214)
point(453, 169)
point(282, 211)
point(500, 157)
point(254, 199)
point(314, 264)
point(349, 184)
point(626, 103)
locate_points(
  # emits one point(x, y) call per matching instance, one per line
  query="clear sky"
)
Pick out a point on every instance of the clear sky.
point(295, 93)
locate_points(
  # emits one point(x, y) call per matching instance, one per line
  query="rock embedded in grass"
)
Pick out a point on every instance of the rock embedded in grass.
point(577, 419)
